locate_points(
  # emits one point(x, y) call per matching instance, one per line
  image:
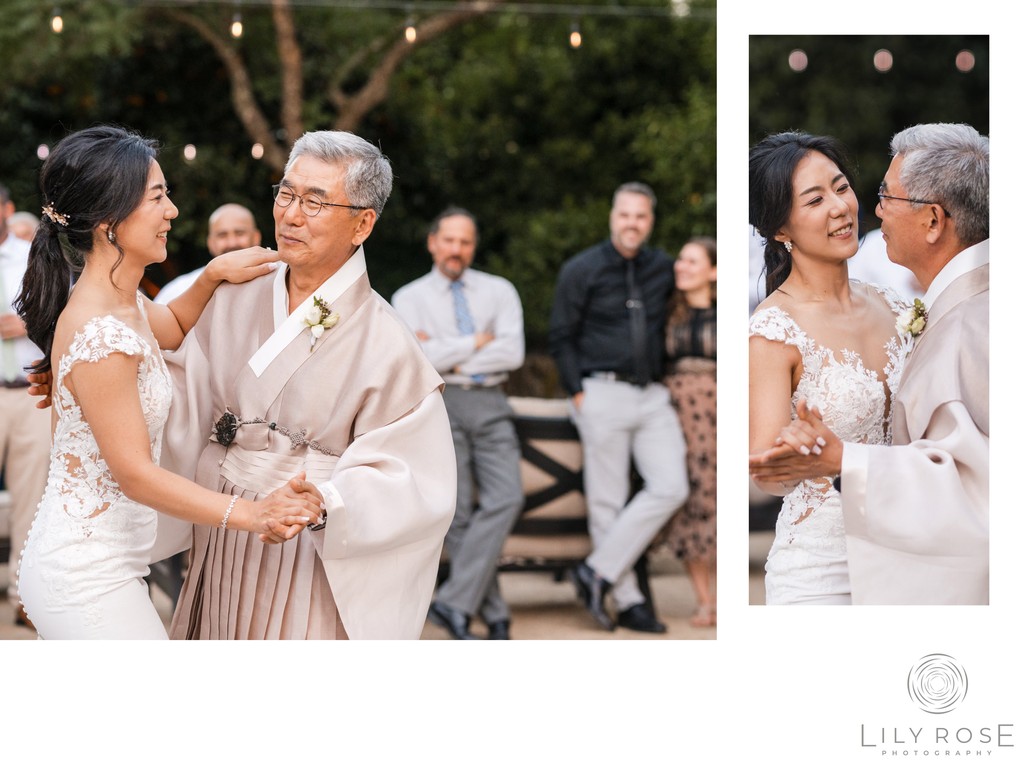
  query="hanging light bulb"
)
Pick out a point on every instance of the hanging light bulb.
point(410, 31)
point(57, 22)
point(237, 30)
point(575, 37)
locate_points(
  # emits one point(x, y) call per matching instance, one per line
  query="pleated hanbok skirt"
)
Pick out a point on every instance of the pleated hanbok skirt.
point(240, 588)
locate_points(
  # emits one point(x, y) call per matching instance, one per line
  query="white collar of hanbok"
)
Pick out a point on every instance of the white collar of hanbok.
point(287, 326)
point(966, 260)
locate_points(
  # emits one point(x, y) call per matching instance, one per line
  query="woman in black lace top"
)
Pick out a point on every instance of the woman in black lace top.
point(690, 340)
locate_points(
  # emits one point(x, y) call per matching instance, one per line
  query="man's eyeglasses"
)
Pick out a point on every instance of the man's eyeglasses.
point(882, 197)
point(309, 204)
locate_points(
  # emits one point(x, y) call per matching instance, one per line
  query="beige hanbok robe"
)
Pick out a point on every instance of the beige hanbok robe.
point(916, 513)
point(364, 392)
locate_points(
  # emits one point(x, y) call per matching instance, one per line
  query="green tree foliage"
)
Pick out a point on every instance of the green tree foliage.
point(496, 113)
point(842, 94)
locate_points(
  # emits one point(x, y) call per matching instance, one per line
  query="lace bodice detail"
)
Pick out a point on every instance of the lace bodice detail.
point(854, 404)
point(87, 537)
point(85, 482)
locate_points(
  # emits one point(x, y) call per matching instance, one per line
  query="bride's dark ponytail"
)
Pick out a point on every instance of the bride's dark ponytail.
point(95, 176)
point(773, 162)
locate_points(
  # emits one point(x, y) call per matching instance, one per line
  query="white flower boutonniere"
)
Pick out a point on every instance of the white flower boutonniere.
point(914, 319)
point(318, 319)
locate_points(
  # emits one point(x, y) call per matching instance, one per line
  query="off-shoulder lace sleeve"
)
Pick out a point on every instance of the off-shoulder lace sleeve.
point(775, 324)
point(101, 337)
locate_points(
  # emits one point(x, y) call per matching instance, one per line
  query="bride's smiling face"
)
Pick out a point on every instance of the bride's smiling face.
point(823, 219)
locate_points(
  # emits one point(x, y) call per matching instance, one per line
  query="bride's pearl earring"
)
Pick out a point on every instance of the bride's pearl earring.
point(112, 240)
point(788, 245)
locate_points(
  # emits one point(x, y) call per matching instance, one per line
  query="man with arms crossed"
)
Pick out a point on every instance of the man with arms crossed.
point(471, 327)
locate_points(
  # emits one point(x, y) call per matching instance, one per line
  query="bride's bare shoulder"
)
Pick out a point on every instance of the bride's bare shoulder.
point(774, 300)
point(879, 297)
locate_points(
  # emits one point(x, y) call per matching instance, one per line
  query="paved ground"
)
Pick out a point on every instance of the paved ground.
point(541, 608)
point(760, 543)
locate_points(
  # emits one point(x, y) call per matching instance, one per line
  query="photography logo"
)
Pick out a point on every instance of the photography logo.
point(937, 683)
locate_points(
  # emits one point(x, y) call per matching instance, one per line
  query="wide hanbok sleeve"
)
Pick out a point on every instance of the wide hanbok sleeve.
point(390, 501)
point(393, 485)
point(916, 513)
point(186, 434)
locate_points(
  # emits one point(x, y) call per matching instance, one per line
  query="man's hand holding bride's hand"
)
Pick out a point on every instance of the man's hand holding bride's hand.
point(281, 519)
point(805, 449)
point(39, 385)
point(243, 265)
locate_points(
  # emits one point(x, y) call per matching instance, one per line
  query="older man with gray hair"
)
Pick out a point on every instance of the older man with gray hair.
point(916, 512)
point(308, 369)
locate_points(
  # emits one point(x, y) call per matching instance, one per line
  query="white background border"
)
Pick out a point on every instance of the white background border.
point(780, 686)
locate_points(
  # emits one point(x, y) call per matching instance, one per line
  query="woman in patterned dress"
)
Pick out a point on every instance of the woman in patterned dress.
point(691, 346)
point(106, 217)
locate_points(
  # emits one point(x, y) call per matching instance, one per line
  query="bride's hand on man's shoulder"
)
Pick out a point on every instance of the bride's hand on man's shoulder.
point(243, 265)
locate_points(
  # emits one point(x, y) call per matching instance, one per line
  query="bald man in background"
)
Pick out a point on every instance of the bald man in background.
point(232, 227)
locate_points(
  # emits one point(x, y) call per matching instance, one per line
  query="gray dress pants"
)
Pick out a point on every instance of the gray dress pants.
point(622, 425)
point(488, 502)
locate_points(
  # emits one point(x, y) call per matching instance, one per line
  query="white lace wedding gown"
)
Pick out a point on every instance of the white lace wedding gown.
point(88, 549)
point(807, 560)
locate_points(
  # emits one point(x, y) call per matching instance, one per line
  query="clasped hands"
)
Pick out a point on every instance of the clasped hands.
point(286, 511)
point(804, 449)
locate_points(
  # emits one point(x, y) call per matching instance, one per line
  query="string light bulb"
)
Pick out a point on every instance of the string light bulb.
point(575, 37)
point(237, 30)
point(57, 22)
point(410, 31)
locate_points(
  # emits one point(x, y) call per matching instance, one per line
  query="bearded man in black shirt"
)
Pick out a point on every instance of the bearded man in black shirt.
point(607, 337)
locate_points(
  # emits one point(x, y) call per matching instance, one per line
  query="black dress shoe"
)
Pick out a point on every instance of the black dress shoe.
point(498, 631)
point(452, 620)
point(641, 617)
point(591, 589)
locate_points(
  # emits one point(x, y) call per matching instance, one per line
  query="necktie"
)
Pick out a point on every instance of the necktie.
point(10, 358)
point(463, 319)
point(637, 325)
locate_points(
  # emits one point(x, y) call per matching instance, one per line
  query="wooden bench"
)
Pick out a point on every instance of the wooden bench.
point(551, 533)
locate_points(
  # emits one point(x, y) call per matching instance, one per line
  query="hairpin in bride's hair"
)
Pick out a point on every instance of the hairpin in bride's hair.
point(53, 215)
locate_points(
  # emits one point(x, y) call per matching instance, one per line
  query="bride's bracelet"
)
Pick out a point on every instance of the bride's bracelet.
point(227, 513)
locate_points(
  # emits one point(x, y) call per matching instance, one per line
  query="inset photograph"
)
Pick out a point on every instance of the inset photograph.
point(868, 332)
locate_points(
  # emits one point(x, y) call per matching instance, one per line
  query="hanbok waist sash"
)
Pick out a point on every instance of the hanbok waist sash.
point(265, 471)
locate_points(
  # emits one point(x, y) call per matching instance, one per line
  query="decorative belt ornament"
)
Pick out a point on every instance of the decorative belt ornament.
point(228, 424)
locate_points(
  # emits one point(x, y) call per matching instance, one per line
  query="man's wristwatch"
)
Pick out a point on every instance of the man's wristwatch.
point(319, 522)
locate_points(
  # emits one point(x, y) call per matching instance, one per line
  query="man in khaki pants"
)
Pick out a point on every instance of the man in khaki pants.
point(24, 430)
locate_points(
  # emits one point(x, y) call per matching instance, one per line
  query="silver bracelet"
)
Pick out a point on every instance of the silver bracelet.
point(227, 513)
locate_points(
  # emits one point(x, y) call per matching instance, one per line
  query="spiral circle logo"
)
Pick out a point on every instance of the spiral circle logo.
point(937, 683)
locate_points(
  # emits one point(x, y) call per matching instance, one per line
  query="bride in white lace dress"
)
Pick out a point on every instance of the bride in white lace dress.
point(818, 340)
point(107, 215)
